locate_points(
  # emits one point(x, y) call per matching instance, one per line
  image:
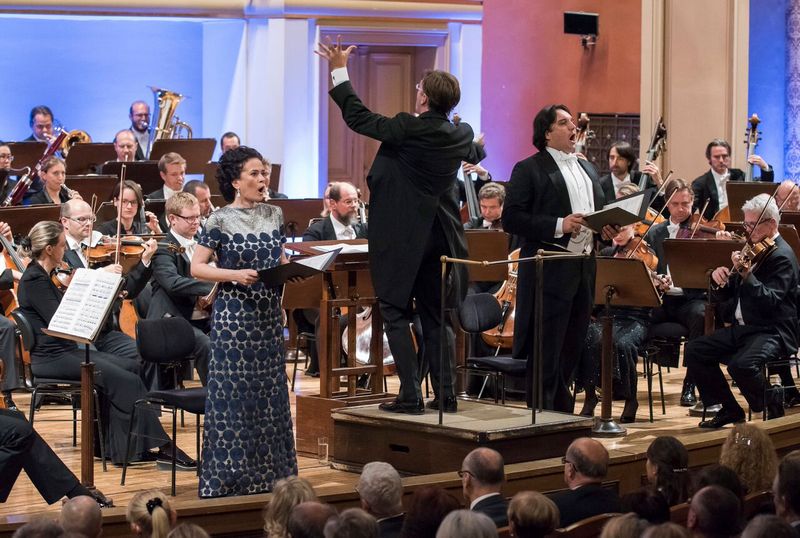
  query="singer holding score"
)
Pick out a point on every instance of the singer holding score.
point(248, 442)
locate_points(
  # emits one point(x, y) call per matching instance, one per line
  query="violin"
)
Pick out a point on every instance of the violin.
point(653, 217)
point(130, 247)
point(62, 276)
point(640, 250)
point(698, 227)
point(752, 254)
point(502, 336)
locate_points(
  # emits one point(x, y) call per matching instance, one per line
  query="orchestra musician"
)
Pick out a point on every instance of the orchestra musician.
point(414, 220)
point(787, 189)
point(41, 122)
point(202, 193)
point(175, 292)
point(490, 200)
point(131, 213)
point(172, 168)
point(53, 174)
point(621, 160)
point(6, 158)
point(229, 140)
point(711, 186)
point(762, 310)
point(8, 336)
point(55, 357)
point(139, 114)
point(125, 145)
point(247, 382)
point(547, 196)
point(480, 179)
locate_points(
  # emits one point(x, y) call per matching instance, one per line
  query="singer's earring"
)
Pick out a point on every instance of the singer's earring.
point(238, 193)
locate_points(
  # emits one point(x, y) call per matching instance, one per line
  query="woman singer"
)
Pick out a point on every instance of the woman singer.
point(135, 221)
point(53, 176)
point(248, 443)
point(119, 388)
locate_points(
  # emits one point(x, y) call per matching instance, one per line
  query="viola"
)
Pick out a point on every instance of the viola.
point(502, 336)
point(752, 254)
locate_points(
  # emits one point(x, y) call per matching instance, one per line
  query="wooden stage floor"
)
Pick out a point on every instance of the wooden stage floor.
point(239, 516)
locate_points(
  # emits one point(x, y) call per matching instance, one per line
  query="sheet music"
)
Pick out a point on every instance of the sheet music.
point(86, 303)
point(322, 261)
point(631, 204)
point(345, 248)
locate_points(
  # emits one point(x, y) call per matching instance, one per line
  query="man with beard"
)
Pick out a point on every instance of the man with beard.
point(139, 114)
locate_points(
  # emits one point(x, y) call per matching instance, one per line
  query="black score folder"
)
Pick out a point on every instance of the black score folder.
point(620, 212)
point(302, 268)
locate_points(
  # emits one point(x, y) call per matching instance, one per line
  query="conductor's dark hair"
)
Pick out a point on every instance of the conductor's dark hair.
point(543, 122)
point(717, 143)
point(443, 91)
point(230, 168)
point(624, 150)
point(41, 109)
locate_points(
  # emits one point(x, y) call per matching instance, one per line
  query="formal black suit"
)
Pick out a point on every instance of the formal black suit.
point(586, 501)
point(322, 230)
point(391, 527)
point(536, 197)
point(8, 339)
point(43, 197)
point(162, 218)
point(769, 308)
point(496, 507)
point(175, 293)
point(21, 448)
point(705, 189)
point(414, 219)
point(109, 228)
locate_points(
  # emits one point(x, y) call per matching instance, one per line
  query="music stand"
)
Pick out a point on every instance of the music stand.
point(297, 213)
point(22, 218)
point(196, 151)
point(739, 192)
point(27, 153)
point(691, 261)
point(145, 173)
point(85, 158)
point(156, 206)
point(487, 245)
point(619, 282)
point(790, 217)
point(275, 177)
point(102, 186)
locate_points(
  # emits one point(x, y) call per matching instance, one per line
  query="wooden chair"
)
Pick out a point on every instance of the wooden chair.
point(591, 527)
point(679, 513)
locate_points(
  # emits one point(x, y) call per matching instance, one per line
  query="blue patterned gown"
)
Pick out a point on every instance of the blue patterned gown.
point(248, 443)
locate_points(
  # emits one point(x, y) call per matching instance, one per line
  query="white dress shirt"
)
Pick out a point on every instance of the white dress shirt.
point(721, 180)
point(343, 231)
point(618, 182)
point(581, 199)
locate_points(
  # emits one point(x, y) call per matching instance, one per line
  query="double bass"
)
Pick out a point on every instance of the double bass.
point(656, 147)
point(750, 143)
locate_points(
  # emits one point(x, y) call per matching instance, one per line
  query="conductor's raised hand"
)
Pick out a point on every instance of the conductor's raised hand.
point(334, 53)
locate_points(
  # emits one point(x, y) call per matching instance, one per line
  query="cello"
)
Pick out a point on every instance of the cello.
point(502, 336)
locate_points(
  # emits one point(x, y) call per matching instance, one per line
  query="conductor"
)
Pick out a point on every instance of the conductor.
point(413, 220)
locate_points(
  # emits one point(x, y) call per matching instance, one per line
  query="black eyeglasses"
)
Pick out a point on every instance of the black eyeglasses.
point(190, 218)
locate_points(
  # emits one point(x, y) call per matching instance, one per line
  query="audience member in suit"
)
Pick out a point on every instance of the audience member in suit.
point(585, 467)
point(77, 219)
point(621, 161)
point(340, 223)
point(139, 114)
point(711, 187)
point(547, 196)
point(229, 140)
point(786, 489)
point(175, 292)
point(381, 493)
point(482, 476)
point(21, 448)
point(714, 512)
point(135, 221)
point(532, 514)
point(53, 175)
point(761, 304)
point(125, 146)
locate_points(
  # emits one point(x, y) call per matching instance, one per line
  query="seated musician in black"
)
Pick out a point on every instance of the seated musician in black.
point(53, 175)
point(340, 223)
point(77, 219)
point(621, 161)
point(480, 178)
point(52, 357)
point(7, 175)
point(762, 311)
point(175, 292)
point(135, 221)
point(8, 337)
point(711, 187)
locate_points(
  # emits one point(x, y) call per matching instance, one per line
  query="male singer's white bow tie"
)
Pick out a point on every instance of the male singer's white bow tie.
point(568, 158)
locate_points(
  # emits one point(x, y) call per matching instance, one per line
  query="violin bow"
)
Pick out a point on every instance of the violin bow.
point(700, 220)
point(119, 212)
point(763, 211)
point(653, 221)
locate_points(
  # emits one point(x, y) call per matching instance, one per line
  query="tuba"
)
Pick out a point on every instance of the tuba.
point(74, 137)
point(166, 124)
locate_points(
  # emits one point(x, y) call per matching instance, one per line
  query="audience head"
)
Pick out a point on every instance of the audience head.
point(41, 122)
point(125, 145)
point(44, 239)
point(230, 169)
point(720, 475)
point(532, 515)
point(482, 472)
point(172, 168)
point(714, 511)
point(150, 514)
point(438, 91)
point(768, 526)
point(202, 192)
point(287, 493)
point(82, 515)
point(429, 506)
point(786, 488)
point(139, 114)
point(546, 124)
point(627, 526)
point(308, 519)
point(380, 489)
point(491, 198)
point(39, 527)
point(352, 523)
point(586, 461)
point(666, 530)
point(188, 530)
point(668, 468)
point(648, 504)
point(343, 202)
point(229, 140)
point(718, 153)
point(621, 159)
point(466, 524)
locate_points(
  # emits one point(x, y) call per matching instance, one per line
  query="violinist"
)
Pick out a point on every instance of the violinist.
point(135, 221)
point(788, 189)
point(8, 337)
point(621, 160)
point(78, 220)
point(53, 174)
point(683, 306)
point(711, 187)
point(175, 292)
point(762, 310)
point(119, 385)
point(202, 192)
